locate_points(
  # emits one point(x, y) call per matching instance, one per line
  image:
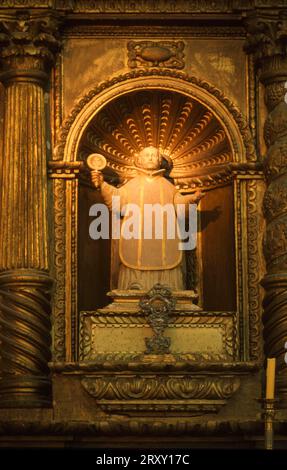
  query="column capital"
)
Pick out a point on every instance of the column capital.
point(28, 43)
point(267, 41)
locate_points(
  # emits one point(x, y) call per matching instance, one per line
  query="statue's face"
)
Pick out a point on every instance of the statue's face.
point(149, 159)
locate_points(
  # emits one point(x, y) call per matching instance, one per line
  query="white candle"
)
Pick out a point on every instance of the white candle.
point(270, 378)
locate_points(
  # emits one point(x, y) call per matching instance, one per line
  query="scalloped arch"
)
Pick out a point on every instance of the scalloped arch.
point(231, 119)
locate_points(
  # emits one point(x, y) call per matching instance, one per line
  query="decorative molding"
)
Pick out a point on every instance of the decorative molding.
point(149, 7)
point(160, 7)
point(226, 321)
point(49, 5)
point(191, 31)
point(240, 250)
point(74, 272)
point(161, 75)
point(275, 133)
point(156, 54)
point(71, 267)
point(273, 97)
point(266, 40)
point(275, 200)
point(56, 98)
point(252, 97)
point(59, 327)
point(172, 7)
point(161, 387)
point(33, 37)
point(253, 247)
point(275, 243)
point(27, 3)
point(55, 6)
point(155, 393)
point(121, 426)
point(138, 366)
point(134, 357)
point(64, 170)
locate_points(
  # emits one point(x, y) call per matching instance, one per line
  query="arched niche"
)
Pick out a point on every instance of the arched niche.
point(196, 127)
point(197, 150)
point(229, 116)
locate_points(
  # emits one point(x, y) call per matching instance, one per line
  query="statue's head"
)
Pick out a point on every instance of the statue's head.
point(149, 158)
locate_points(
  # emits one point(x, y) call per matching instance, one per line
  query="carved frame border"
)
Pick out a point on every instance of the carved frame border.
point(227, 321)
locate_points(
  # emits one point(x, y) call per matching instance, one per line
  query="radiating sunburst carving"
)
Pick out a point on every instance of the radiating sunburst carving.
point(186, 132)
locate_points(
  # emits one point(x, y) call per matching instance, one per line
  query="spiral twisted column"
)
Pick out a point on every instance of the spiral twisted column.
point(267, 40)
point(27, 46)
point(25, 338)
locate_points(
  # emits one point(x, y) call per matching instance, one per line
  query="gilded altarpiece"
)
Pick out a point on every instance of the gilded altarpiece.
point(203, 82)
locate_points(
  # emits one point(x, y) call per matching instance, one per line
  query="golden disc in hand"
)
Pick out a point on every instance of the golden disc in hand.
point(96, 161)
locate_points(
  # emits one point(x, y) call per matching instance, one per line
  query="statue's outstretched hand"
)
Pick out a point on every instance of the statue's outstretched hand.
point(97, 178)
point(197, 196)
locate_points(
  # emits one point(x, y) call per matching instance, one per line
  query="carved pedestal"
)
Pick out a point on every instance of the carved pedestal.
point(152, 341)
point(177, 392)
point(28, 43)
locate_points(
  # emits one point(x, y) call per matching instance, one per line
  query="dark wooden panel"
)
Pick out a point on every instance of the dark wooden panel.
point(218, 249)
point(93, 257)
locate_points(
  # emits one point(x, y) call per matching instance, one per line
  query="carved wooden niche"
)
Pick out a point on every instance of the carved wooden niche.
point(206, 143)
point(197, 154)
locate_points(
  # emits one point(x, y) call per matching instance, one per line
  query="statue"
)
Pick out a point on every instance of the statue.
point(147, 261)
